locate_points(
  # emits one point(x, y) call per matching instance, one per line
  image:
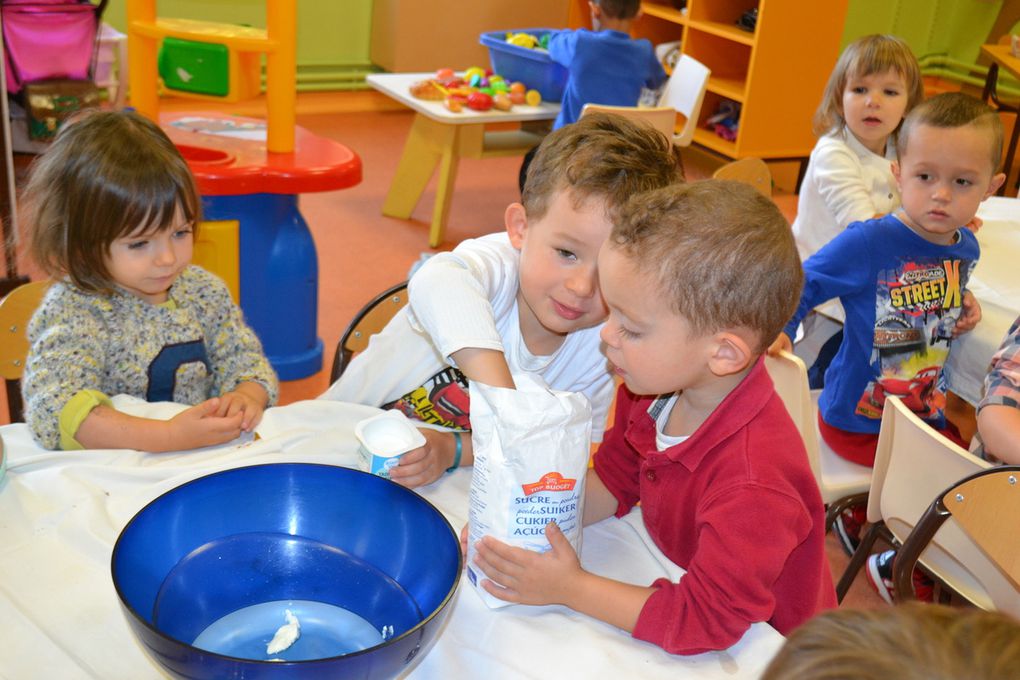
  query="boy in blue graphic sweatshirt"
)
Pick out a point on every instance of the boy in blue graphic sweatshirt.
point(902, 278)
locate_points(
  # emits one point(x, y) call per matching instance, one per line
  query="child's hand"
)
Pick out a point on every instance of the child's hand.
point(249, 399)
point(464, 540)
point(781, 344)
point(529, 577)
point(974, 224)
point(201, 425)
point(970, 316)
point(426, 464)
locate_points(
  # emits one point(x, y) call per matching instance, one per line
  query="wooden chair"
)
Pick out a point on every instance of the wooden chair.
point(751, 171)
point(985, 506)
point(16, 310)
point(840, 482)
point(685, 92)
point(662, 118)
point(367, 322)
point(913, 463)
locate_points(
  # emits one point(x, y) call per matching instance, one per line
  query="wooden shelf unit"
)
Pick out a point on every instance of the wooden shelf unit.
point(777, 73)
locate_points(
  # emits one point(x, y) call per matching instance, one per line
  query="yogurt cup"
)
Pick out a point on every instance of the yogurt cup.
point(384, 439)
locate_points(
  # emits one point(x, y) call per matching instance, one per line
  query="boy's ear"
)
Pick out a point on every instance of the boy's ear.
point(731, 354)
point(997, 181)
point(516, 220)
point(895, 167)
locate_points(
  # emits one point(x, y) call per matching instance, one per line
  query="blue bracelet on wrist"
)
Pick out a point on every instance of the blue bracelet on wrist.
point(457, 452)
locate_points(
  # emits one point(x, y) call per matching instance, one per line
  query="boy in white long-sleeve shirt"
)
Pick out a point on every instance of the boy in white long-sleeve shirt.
point(524, 301)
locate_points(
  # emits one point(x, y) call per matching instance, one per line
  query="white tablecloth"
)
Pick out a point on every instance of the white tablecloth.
point(996, 284)
point(61, 512)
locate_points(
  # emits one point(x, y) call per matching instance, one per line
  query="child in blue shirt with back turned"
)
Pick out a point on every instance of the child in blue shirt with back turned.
point(605, 65)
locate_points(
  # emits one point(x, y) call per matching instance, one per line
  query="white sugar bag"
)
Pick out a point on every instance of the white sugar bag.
point(531, 450)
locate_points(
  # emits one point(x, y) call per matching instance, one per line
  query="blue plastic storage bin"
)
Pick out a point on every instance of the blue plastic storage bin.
point(534, 68)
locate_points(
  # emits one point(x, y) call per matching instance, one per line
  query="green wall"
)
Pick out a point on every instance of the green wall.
point(945, 35)
point(332, 41)
point(954, 28)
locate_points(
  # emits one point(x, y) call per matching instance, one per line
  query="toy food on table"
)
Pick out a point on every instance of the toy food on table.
point(479, 101)
point(427, 89)
point(477, 88)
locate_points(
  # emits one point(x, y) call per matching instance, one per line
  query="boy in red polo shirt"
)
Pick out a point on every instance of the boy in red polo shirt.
point(698, 279)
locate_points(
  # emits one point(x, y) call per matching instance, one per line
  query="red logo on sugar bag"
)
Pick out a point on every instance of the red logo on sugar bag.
point(551, 481)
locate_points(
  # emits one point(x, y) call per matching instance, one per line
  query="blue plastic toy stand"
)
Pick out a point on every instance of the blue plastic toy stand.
point(278, 266)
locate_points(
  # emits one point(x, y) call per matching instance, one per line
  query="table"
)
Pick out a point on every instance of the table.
point(439, 137)
point(61, 512)
point(1002, 56)
point(997, 287)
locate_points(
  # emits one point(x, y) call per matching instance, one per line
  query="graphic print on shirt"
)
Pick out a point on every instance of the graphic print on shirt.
point(163, 369)
point(442, 400)
point(916, 308)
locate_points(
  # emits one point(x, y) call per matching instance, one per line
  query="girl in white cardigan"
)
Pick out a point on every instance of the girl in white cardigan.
point(875, 83)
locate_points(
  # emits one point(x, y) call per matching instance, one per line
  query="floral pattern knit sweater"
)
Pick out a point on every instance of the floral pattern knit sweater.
point(194, 347)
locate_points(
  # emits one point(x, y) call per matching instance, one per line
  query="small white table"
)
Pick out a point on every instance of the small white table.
point(439, 137)
point(996, 284)
point(61, 512)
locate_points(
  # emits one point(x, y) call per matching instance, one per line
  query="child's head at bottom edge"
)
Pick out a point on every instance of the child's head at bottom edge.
point(911, 641)
point(580, 176)
point(699, 278)
point(948, 150)
point(106, 176)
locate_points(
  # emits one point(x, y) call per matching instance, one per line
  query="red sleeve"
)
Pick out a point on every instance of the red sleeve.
point(730, 580)
point(616, 463)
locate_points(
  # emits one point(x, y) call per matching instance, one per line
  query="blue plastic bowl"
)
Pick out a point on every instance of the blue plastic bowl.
point(367, 566)
point(534, 68)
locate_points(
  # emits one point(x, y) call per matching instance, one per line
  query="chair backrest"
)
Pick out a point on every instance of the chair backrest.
point(16, 310)
point(789, 376)
point(984, 506)
point(753, 171)
point(662, 118)
point(371, 319)
point(913, 464)
point(979, 504)
point(837, 477)
point(685, 92)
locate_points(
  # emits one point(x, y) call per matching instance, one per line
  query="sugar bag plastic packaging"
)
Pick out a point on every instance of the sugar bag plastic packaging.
point(531, 449)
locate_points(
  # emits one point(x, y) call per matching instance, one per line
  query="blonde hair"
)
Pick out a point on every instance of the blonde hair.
point(864, 57)
point(721, 252)
point(954, 110)
point(911, 641)
point(106, 174)
point(603, 156)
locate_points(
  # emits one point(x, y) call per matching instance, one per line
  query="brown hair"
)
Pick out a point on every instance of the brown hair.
point(619, 9)
point(720, 251)
point(954, 110)
point(106, 174)
point(864, 57)
point(912, 641)
point(600, 155)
